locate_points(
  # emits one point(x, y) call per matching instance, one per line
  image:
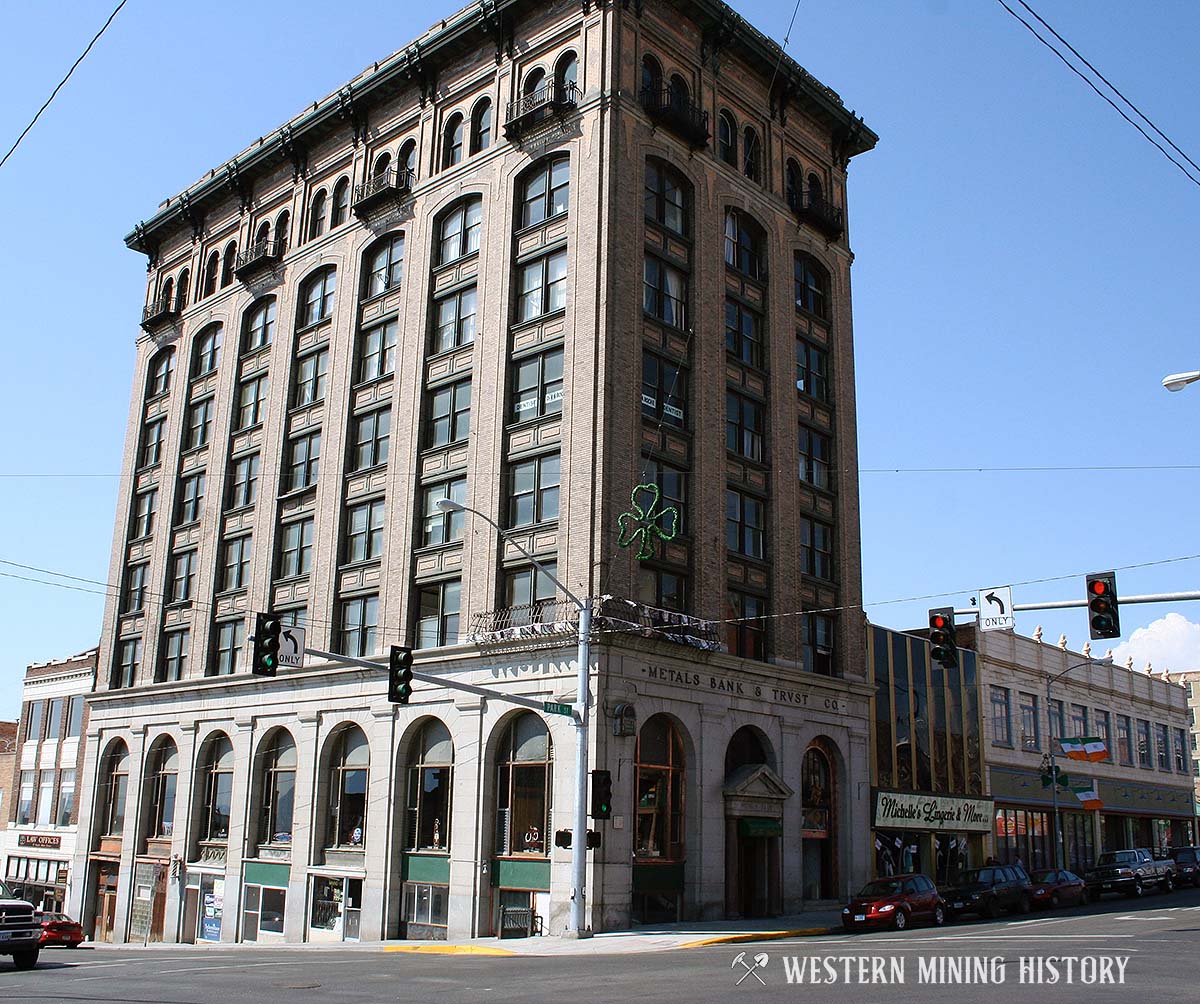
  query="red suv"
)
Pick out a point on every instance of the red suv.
point(894, 902)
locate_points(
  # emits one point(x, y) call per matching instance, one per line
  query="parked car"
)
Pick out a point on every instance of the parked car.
point(59, 929)
point(1057, 887)
point(20, 936)
point(990, 889)
point(1132, 872)
point(1187, 865)
point(894, 901)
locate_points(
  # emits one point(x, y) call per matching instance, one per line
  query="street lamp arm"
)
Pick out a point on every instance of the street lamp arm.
point(1177, 381)
point(1106, 661)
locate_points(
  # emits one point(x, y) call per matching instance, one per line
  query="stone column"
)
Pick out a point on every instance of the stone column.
point(235, 843)
point(732, 906)
point(470, 892)
point(381, 796)
point(304, 731)
point(129, 836)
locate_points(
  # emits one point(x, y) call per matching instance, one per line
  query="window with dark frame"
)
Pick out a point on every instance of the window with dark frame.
point(430, 787)
point(667, 197)
point(460, 229)
point(745, 425)
point(442, 527)
point(370, 435)
point(481, 126)
point(364, 531)
point(359, 626)
point(743, 334)
point(727, 139)
point(191, 498)
point(438, 613)
point(183, 576)
point(816, 644)
point(672, 485)
point(199, 424)
point(454, 319)
point(251, 402)
point(534, 492)
point(316, 298)
point(545, 192)
point(243, 481)
point(745, 523)
point(346, 783)
point(816, 548)
point(530, 594)
point(258, 330)
point(235, 563)
point(449, 411)
point(278, 789)
point(816, 458)
point(129, 661)
point(206, 351)
point(176, 645)
point(385, 266)
point(1001, 716)
point(664, 390)
point(377, 352)
point(303, 460)
point(524, 776)
point(145, 505)
point(162, 366)
point(664, 292)
point(542, 286)
point(452, 148)
point(663, 589)
point(745, 245)
point(812, 371)
point(341, 203)
point(231, 636)
point(746, 628)
point(295, 548)
point(152, 442)
point(812, 285)
point(537, 388)
point(311, 372)
point(134, 598)
point(216, 785)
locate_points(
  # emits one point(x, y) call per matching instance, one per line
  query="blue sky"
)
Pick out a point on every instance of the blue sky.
point(1021, 282)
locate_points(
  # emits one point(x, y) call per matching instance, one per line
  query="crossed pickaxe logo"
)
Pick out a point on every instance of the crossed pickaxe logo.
point(760, 962)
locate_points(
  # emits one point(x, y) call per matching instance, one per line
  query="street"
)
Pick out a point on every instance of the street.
point(1150, 944)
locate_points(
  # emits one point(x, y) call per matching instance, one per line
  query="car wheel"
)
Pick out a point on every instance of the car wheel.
point(1138, 890)
point(1169, 884)
point(25, 960)
point(939, 915)
point(1054, 901)
point(1025, 905)
point(900, 921)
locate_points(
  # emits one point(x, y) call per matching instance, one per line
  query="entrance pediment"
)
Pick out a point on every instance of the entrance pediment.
point(756, 781)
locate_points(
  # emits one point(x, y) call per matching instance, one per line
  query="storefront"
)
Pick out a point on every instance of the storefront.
point(936, 835)
point(41, 881)
point(335, 908)
point(1146, 815)
point(203, 906)
point(264, 901)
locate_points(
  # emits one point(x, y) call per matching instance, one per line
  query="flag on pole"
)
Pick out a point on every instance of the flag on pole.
point(1084, 748)
point(1087, 794)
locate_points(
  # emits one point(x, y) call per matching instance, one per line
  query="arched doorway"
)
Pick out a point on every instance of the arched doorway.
point(818, 825)
point(754, 798)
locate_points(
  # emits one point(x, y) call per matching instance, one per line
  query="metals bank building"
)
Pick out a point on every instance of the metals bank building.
point(435, 285)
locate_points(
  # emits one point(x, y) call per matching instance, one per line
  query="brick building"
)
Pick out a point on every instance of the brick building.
point(433, 284)
point(1190, 679)
point(8, 764)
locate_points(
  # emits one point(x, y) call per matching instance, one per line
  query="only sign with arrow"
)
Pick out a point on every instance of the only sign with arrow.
point(995, 609)
point(291, 646)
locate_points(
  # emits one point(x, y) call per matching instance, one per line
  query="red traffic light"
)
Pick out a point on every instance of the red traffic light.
point(937, 621)
point(1098, 587)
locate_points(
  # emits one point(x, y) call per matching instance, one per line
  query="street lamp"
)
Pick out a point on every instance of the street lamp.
point(578, 928)
point(1050, 680)
point(1177, 381)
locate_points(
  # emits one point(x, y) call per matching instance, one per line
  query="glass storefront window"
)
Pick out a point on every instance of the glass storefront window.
point(263, 911)
point(429, 785)
point(660, 793)
point(426, 904)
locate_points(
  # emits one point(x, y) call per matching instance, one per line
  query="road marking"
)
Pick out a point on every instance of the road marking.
point(262, 965)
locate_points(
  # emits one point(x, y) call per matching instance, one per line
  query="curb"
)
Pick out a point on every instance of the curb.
point(738, 939)
point(449, 950)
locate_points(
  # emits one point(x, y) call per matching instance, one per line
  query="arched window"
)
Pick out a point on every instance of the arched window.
point(161, 368)
point(261, 236)
point(282, 225)
point(341, 203)
point(660, 791)
point(747, 748)
point(185, 278)
point(382, 163)
point(316, 298)
point(408, 159)
point(258, 328)
point(745, 245)
point(452, 145)
point(533, 82)
point(566, 76)
point(651, 76)
point(812, 285)
point(678, 94)
point(216, 787)
point(161, 781)
point(114, 789)
point(524, 775)
point(167, 295)
point(211, 271)
point(751, 154)
point(278, 789)
point(793, 183)
point(459, 231)
point(481, 126)
point(317, 215)
point(727, 139)
point(544, 191)
point(228, 261)
point(206, 351)
point(349, 762)
point(816, 192)
point(430, 782)
point(385, 265)
point(668, 197)
point(817, 822)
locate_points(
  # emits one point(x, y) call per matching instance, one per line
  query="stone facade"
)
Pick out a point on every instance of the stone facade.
point(1191, 680)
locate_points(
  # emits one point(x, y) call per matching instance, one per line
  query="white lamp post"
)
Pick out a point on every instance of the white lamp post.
point(1177, 381)
point(578, 928)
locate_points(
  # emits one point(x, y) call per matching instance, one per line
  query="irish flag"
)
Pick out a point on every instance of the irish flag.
point(1087, 794)
point(1084, 748)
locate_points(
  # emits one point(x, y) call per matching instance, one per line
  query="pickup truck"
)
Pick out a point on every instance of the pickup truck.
point(20, 937)
point(1132, 872)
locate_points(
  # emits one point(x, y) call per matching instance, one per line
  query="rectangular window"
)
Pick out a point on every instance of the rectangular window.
point(231, 636)
point(54, 719)
point(746, 630)
point(665, 199)
point(135, 588)
point(437, 613)
point(812, 370)
point(303, 461)
point(672, 486)
point(75, 716)
point(198, 425)
point(542, 286)
point(449, 411)
point(66, 797)
point(364, 531)
point(310, 378)
point(442, 527)
point(45, 805)
point(816, 458)
point(1162, 744)
point(816, 644)
point(129, 660)
point(534, 495)
point(191, 498)
point(664, 390)
point(1180, 751)
point(743, 334)
point(183, 576)
point(1031, 738)
point(1125, 739)
point(1079, 720)
point(295, 548)
point(152, 442)
point(745, 523)
point(235, 564)
point(359, 626)
point(175, 655)
point(426, 904)
point(35, 721)
point(1104, 732)
point(663, 589)
point(665, 292)
point(243, 482)
point(25, 799)
point(529, 594)
point(370, 434)
point(537, 386)
point(1057, 715)
point(377, 352)
point(263, 911)
point(1145, 755)
point(251, 403)
point(455, 320)
point(144, 506)
point(816, 548)
point(1001, 717)
point(745, 423)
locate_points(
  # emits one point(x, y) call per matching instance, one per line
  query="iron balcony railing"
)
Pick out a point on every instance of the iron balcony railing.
point(258, 255)
point(390, 184)
point(161, 310)
point(818, 212)
point(668, 108)
point(529, 109)
point(530, 620)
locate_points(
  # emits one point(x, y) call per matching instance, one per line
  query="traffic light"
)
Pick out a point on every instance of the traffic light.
point(1104, 620)
point(267, 629)
point(593, 840)
point(400, 675)
point(942, 648)
point(562, 838)
point(601, 794)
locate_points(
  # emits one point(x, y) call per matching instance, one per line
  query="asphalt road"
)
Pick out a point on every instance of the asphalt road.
point(1157, 938)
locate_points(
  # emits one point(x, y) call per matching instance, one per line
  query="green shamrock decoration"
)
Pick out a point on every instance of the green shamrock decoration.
point(643, 522)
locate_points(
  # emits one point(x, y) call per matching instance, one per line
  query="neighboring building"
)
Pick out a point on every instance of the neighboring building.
point(37, 848)
point(1145, 783)
point(8, 766)
point(1191, 680)
point(540, 259)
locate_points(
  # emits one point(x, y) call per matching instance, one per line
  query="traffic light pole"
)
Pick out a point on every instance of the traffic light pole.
point(579, 928)
point(1066, 604)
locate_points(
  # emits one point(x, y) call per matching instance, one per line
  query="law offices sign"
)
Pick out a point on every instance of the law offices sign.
point(908, 810)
